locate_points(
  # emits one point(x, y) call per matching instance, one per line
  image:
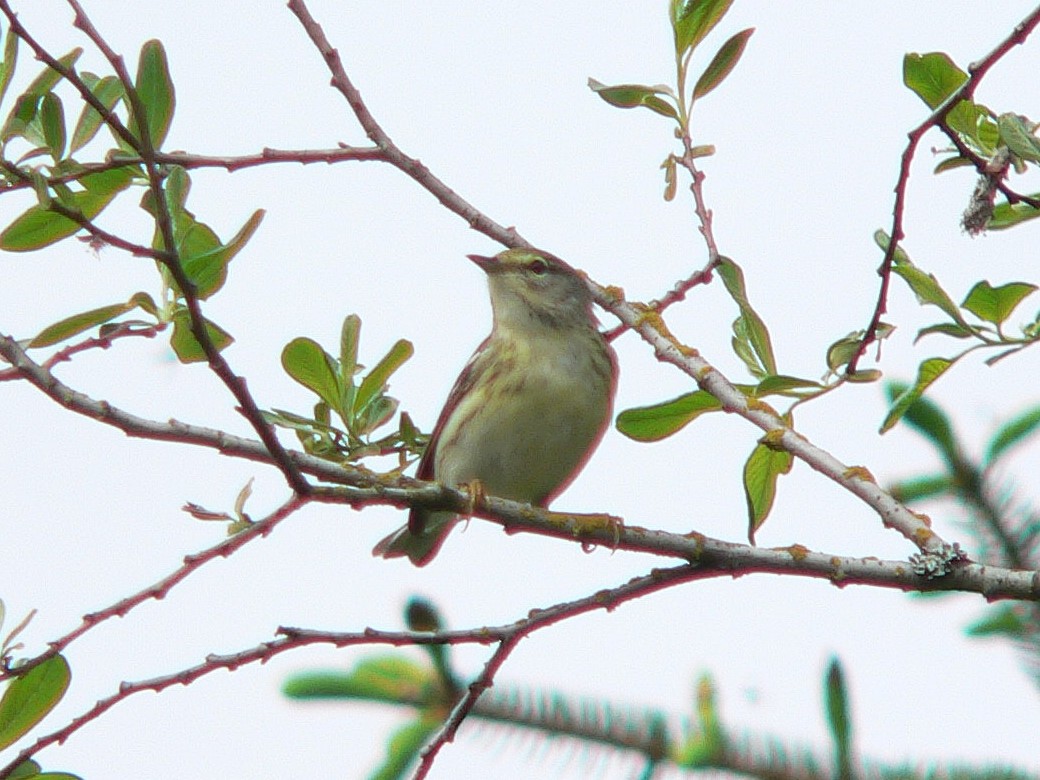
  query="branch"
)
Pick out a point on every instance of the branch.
point(650, 326)
point(361, 488)
point(976, 72)
point(393, 154)
point(164, 220)
point(160, 589)
point(230, 163)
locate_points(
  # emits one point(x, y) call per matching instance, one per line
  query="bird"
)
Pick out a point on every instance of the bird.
point(529, 407)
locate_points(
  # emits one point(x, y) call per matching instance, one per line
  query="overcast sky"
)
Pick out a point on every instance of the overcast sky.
point(493, 98)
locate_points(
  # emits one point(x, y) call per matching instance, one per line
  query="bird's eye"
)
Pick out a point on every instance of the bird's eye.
point(538, 266)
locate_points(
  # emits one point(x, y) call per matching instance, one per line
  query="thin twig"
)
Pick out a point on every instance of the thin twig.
point(247, 406)
point(976, 72)
point(160, 589)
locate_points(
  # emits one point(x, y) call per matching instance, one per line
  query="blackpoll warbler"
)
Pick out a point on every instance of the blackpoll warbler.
point(531, 404)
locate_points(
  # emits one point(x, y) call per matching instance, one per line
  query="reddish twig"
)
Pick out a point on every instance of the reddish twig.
point(145, 148)
point(160, 589)
point(976, 72)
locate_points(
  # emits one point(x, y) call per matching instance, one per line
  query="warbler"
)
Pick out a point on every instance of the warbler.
point(530, 405)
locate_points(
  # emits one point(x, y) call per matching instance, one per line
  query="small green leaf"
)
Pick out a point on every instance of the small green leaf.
point(305, 361)
point(703, 745)
point(934, 77)
point(155, 90)
point(761, 472)
point(929, 419)
point(722, 63)
point(842, 351)
point(779, 384)
point(653, 423)
point(924, 285)
point(952, 162)
point(109, 90)
point(864, 375)
point(751, 330)
point(946, 329)
point(48, 78)
point(995, 304)
point(923, 487)
point(30, 697)
point(635, 95)
point(927, 372)
point(375, 382)
point(26, 769)
point(206, 264)
point(184, 343)
point(839, 719)
point(77, 323)
point(388, 678)
point(1007, 215)
point(39, 226)
point(1014, 431)
point(349, 339)
point(1004, 620)
point(692, 20)
point(10, 60)
point(404, 745)
point(52, 120)
point(1016, 133)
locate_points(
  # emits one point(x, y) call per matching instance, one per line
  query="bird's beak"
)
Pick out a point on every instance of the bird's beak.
point(486, 263)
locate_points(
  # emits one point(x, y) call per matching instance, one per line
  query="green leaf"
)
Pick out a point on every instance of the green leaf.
point(403, 748)
point(1007, 215)
point(26, 769)
point(52, 120)
point(77, 323)
point(1016, 133)
point(839, 719)
point(761, 472)
point(109, 90)
point(184, 343)
point(9, 62)
point(48, 78)
point(933, 77)
point(752, 337)
point(722, 63)
point(924, 285)
point(921, 488)
point(653, 423)
point(927, 372)
point(946, 329)
point(779, 384)
point(305, 361)
point(704, 744)
point(39, 226)
point(349, 339)
point(1004, 620)
point(929, 419)
point(995, 304)
point(692, 20)
point(635, 95)
point(952, 162)
point(1013, 432)
point(30, 697)
point(387, 678)
point(155, 90)
point(205, 260)
point(375, 382)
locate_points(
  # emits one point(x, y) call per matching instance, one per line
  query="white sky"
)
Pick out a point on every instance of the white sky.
point(492, 97)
